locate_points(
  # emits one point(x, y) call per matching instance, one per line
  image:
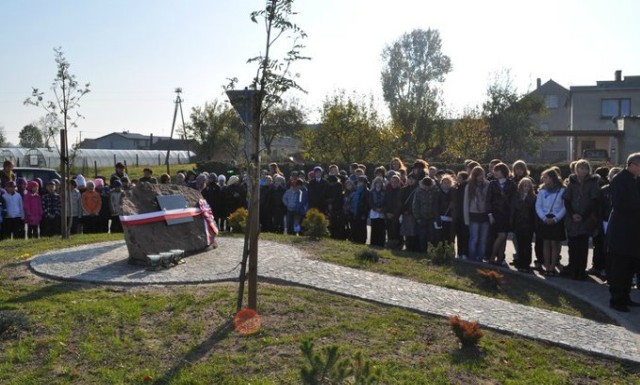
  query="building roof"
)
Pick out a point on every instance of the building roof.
point(628, 83)
point(132, 136)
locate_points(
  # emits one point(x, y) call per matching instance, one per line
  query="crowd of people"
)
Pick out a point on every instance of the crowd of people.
point(408, 207)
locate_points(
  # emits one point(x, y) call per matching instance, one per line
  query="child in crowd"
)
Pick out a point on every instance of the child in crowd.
point(91, 204)
point(52, 208)
point(295, 199)
point(115, 206)
point(13, 223)
point(32, 208)
point(75, 211)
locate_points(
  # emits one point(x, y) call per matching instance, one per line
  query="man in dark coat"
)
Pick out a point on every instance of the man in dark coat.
point(318, 191)
point(623, 233)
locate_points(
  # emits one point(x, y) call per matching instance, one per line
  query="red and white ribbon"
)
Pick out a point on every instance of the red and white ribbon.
point(210, 227)
point(158, 216)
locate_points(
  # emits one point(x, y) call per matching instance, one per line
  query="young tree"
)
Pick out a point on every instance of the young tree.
point(30, 136)
point(350, 130)
point(273, 78)
point(512, 130)
point(413, 70)
point(67, 94)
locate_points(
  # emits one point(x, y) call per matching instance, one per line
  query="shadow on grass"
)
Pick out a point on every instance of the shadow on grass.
point(197, 353)
point(46, 292)
point(468, 355)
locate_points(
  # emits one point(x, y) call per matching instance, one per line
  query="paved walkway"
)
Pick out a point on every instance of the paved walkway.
point(106, 263)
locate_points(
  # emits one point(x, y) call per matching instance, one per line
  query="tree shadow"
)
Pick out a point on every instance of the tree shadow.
point(45, 292)
point(197, 353)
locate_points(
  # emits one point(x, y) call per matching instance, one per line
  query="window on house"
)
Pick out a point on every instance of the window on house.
point(615, 107)
point(552, 101)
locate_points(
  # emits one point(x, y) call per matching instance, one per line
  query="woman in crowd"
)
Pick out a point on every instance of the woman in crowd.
point(476, 215)
point(425, 211)
point(582, 201)
point(349, 189)
point(446, 205)
point(278, 209)
point(499, 195)
point(376, 212)
point(461, 230)
point(408, 221)
point(392, 207)
point(360, 211)
point(523, 222)
point(335, 199)
point(550, 211)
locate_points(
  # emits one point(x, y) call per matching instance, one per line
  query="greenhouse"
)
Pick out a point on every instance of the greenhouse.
point(87, 158)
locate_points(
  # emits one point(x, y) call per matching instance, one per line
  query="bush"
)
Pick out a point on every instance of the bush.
point(441, 254)
point(492, 278)
point(368, 256)
point(315, 224)
point(238, 220)
point(468, 333)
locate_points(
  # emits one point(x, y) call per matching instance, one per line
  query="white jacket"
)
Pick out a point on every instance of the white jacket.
point(550, 203)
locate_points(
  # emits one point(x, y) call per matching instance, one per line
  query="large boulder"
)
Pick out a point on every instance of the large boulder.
point(156, 237)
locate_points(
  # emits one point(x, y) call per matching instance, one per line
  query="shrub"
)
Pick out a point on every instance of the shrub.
point(468, 333)
point(329, 367)
point(315, 224)
point(12, 323)
point(492, 278)
point(368, 256)
point(238, 220)
point(441, 254)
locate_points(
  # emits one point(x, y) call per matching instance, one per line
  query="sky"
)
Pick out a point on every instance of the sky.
point(135, 53)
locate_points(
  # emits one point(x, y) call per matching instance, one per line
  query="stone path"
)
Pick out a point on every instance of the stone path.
point(105, 263)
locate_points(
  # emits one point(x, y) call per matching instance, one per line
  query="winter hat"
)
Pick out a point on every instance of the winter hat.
point(317, 168)
point(213, 177)
point(81, 181)
point(233, 180)
point(201, 178)
point(21, 181)
point(32, 184)
point(222, 178)
point(116, 183)
point(99, 183)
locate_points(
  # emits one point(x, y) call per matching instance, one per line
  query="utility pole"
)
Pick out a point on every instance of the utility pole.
point(178, 103)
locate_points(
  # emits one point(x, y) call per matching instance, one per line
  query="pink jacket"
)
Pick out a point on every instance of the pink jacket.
point(32, 209)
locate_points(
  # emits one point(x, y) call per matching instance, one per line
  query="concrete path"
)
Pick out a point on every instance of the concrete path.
point(105, 263)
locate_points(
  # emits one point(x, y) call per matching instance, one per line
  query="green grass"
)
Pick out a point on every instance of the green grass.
point(91, 334)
